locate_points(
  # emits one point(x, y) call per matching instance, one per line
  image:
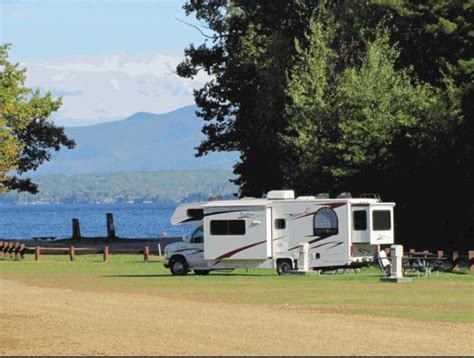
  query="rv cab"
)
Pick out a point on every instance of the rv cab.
point(187, 254)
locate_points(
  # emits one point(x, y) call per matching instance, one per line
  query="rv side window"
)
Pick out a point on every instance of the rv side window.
point(360, 220)
point(227, 227)
point(325, 222)
point(280, 224)
point(381, 220)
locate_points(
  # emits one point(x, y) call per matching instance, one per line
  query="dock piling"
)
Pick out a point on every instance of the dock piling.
point(110, 226)
point(76, 229)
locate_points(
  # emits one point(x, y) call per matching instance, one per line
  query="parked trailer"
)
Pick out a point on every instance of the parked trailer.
point(280, 231)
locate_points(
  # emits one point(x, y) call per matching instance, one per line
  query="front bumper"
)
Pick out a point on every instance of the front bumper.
point(166, 263)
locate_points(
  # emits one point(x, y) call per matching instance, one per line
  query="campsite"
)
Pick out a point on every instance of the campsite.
point(237, 178)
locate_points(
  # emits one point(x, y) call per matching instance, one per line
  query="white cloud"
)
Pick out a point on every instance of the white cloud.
point(98, 88)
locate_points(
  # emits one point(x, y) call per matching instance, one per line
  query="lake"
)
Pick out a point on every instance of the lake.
point(131, 220)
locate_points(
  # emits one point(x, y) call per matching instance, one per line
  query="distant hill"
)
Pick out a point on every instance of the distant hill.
point(166, 187)
point(141, 142)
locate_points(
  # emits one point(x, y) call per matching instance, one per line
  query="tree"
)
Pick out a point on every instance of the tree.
point(242, 106)
point(344, 124)
point(248, 51)
point(9, 149)
point(435, 39)
point(375, 128)
point(26, 132)
point(343, 95)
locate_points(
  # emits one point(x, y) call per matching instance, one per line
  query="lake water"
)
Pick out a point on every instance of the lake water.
point(131, 220)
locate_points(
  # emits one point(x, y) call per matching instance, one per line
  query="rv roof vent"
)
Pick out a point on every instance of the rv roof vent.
point(281, 194)
point(322, 196)
point(305, 198)
point(371, 196)
point(344, 195)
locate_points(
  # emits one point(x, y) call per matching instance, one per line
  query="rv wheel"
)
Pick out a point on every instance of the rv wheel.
point(179, 266)
point(283, 267)
point(201, 272)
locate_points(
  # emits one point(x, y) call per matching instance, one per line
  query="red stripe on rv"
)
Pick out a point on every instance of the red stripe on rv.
point(233, 252)
point(335, 205)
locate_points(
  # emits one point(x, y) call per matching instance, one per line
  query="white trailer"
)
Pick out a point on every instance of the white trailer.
point(287, 233)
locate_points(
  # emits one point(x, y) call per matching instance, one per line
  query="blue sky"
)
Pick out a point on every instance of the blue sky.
point(58, 28)
point(107, 58)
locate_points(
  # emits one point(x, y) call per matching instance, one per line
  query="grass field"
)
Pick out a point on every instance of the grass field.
point(440, 301)
point(448, 297)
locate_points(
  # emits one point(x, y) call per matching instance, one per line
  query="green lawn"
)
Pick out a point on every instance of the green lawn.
point(448, 297)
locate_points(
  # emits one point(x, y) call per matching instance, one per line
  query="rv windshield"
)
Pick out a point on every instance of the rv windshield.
point(197, 237)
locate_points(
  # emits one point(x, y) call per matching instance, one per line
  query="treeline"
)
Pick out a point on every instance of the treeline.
point(359, 96)
point(167, 187)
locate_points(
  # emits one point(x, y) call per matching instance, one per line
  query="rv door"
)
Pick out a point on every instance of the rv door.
point(360, 224)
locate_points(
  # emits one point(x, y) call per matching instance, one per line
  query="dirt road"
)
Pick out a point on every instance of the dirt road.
point(49, 321)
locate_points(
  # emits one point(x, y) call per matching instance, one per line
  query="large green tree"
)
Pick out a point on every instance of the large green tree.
point(27, 134)
point(343, 95)
point(371, 128)
point(247, 55)
point(347, 124)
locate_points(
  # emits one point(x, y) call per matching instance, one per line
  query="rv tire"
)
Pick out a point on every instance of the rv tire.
point(283, 267)
point(179, 266)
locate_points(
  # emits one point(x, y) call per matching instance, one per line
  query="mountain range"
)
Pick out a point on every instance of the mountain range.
point(141, 142)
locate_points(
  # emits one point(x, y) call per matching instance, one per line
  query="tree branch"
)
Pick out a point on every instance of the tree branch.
point(196, 27)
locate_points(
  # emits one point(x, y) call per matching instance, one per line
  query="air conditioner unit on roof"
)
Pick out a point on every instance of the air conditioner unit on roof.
point(281, 194)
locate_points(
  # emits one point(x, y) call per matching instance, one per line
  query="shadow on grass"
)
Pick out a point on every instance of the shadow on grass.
point(459, 272)
point(137, 276)
point(191, 275)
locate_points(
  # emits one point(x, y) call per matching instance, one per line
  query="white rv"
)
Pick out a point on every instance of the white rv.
point(291, 234)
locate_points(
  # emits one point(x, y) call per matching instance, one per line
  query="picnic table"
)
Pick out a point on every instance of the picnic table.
point(423, 262)
point(420, 262)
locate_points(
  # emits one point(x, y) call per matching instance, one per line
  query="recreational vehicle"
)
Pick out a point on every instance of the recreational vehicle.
point(290, 234)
